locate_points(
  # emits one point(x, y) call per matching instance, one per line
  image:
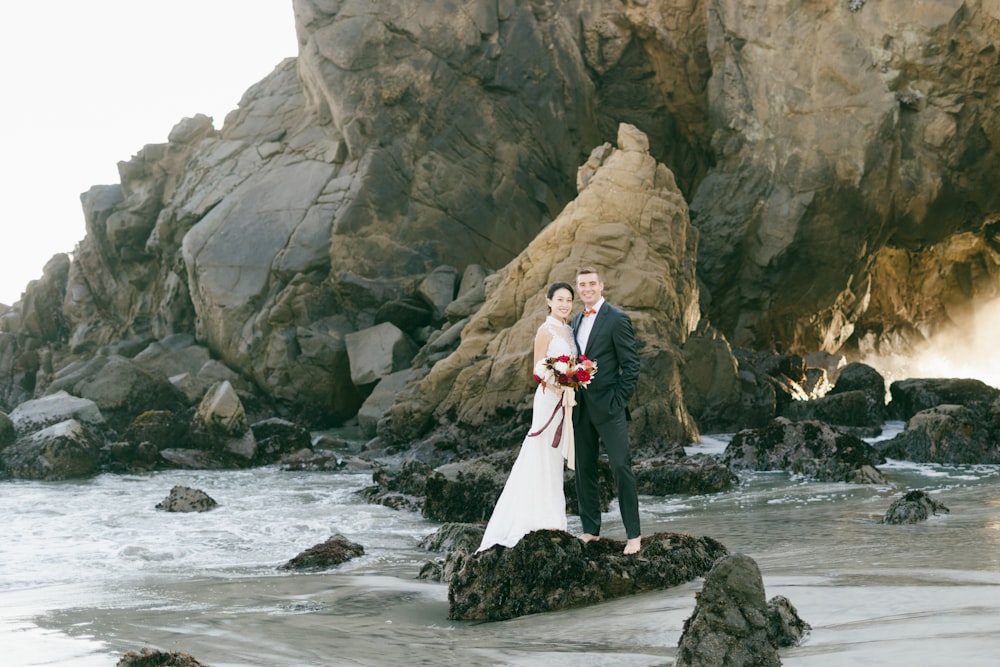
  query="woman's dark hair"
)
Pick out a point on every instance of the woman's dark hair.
point(555, 287)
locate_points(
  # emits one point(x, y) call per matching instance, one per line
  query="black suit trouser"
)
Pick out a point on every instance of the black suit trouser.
point(614, 434)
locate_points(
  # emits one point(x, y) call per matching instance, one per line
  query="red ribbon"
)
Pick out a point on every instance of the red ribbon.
point(558, 435)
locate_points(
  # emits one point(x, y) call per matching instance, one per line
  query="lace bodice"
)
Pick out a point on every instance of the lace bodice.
point(562, 338)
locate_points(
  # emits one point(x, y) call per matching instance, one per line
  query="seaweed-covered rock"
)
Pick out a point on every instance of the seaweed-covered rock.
point(732, 624)
point(457, 541)
point(62, 451)
point(400, 487)
point(947, 434)
point(914, 395)
point(550, 569)
point(147, 657)
point(336, 550)
point(807, 448)
point(914, 506)
point(690, 475)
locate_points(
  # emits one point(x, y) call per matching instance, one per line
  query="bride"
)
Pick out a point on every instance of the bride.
point(532, 498)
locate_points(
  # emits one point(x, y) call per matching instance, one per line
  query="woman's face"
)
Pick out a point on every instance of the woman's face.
point(561, 304)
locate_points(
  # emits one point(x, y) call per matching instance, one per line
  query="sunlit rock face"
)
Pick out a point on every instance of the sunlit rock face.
point(630, 223)
point(853, 144)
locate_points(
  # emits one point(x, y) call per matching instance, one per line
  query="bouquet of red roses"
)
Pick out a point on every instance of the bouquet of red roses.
point(565, 371)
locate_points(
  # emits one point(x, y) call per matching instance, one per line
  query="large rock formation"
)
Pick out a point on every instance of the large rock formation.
point(838, 158)
point(630, 222)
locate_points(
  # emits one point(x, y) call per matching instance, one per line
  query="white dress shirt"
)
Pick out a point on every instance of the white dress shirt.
point(586, 325)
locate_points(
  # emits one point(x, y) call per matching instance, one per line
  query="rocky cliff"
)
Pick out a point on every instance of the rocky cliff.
point(390, 203)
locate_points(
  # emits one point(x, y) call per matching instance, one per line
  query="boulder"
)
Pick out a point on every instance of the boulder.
point(377, 352)
point(61, 451)
point(123, 456)
point(918, 394)
point(57, 407)
point(220, 424)
point(947, 434)
point(457, 541)
point(733, 625)
point(712, 383)
point(857, 376)
point(380, 400)
point(692, 475)
point(277, 438)
point(807, 448)
point(336, 550)
point(550, 570)
point(186, 499)
point(123, 389)
point(163, 429)
point(849, 411)
point(912, 507)
point(438, 289)
point(399, 487)
point(471, 294)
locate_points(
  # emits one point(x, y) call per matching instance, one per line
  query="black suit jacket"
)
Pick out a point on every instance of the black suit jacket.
point(612, 346)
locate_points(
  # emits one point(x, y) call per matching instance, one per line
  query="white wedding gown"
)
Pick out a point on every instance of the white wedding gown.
point(533, 498)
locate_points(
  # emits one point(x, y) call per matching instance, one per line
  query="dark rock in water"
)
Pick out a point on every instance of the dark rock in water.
point(452, 536)
point(913, 507)
point(400, 487)
point(857, 376)
point(691, 475)
point(849, 411)
point(336, 550)
point(784, 625)
point(457, 541)
point(186, 499)
point(806, 448)
point(148, 657)
point(917, 394)
point(550, 570)
point(732, 625)
point(947, 434)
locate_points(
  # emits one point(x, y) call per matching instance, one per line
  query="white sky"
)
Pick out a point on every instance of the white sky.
point(87, 83)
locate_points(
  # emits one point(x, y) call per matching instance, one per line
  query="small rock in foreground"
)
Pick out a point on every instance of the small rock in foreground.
point(732, 625)
point(147, 657)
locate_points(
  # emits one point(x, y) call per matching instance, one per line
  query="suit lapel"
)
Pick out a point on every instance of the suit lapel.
point(600, 323)
point(576, 327)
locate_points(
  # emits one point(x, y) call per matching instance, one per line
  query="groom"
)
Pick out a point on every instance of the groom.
point(604, 333)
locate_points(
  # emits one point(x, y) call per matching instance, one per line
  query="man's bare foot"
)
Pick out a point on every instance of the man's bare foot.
point(633, 545)
point(587, 537)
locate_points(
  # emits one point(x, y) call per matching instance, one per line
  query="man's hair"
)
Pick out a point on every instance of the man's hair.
point(588, 269)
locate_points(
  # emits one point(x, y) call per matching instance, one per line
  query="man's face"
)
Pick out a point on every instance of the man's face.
point(589, 287)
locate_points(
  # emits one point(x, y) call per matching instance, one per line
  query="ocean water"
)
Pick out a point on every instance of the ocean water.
point(90, 569)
